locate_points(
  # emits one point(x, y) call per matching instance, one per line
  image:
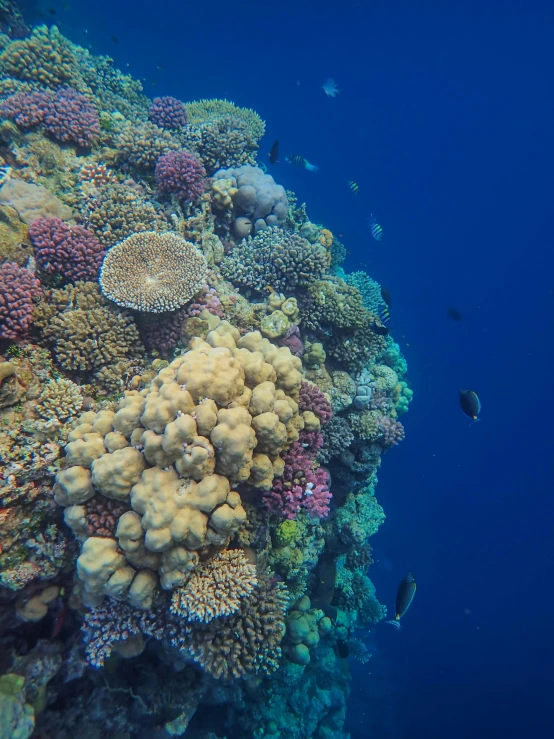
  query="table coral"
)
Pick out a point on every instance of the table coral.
point(71, 251)
point(19, 289)
point(153, 272)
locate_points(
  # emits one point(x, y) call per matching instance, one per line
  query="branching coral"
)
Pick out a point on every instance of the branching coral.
point(180, 173)
point(70, 117)
point(215, 588)
point(337, 437)
point(71, 251)
point(312, 399)
point(142, 145)
point(201, 111)
point(355, 350)
point(276, 258)
point(19, 288)
point(45, 57)
point(60, 399)
point(167, 112)
point(153, 272)
point(225, 142)
point(333, 303)
point(368, 288)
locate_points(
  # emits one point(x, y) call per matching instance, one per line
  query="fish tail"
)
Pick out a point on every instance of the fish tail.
point(394, 623)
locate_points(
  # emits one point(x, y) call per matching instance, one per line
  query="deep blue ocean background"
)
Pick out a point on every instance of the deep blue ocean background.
point(446, 120)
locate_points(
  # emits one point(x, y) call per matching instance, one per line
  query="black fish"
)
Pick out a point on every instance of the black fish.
point(470, 403)
point(404, 597)
point(114, 39)
point(354, 187)
point(342, 649)
point(378, 329)
point(454, 314)
point(385, 294)
point(384, 314)
point(326, 577)
point(274, 153)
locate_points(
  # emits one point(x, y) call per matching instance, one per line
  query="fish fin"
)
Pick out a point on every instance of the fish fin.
point(394, 623)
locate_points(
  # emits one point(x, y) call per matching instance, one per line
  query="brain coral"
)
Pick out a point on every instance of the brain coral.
point(153, 272)
point(180, 173)
point(44, 57)
point(215, 416)
point(18, 288)
point(71, 251)
point(277, 258)
point(167, 112)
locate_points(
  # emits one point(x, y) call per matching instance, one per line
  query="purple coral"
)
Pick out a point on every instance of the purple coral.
point(107, 625)
point(302, 485)
point(293, 341)
point(392, 432)
point(71, 117)
point(26, 109)
point(312, 399)
point(71, 251)
point(182, 174)
point(18, 289)
point(167, 112)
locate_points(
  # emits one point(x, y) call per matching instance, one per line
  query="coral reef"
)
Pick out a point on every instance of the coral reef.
point(70, 251)
point(180, 173)
point(19, 289)
point(167, 112)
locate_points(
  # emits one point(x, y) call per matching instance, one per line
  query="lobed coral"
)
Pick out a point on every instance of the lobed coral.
point(70, 251)
point(152, 272)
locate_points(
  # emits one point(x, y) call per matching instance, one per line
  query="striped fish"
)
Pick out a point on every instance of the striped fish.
point(354, 187)
point(384, 315)
point(300, 161)
point(376, 230)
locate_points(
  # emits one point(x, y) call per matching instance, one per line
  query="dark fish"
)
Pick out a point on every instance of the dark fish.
point(376, 230)
point(326, 574)
point(114, 39)
point(384, 314)
point(354, 187)
point(274, 153)
point(454, 314)
point(342, 649)
point(385, 294)
point(378, 329)
point(52, 11)
point(301, 162)
point(470, 403)
point(404, 597)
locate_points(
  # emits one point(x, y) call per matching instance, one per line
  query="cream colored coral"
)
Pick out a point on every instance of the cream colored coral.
point(235, 440)
point(59, 399)
point(115, 474)
point(85, 450)
point(73, 485)
point(103, 570)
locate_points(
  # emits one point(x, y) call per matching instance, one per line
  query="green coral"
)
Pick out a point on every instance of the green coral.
point(334, 302)
point(201, 111)
point(45, 57)
point(17, 718)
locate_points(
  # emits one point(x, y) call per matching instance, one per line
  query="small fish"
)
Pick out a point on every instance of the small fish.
point(301, 162)
point(385, 294)
point(376, 230)
point(274, 153)
point(404, 597)
point(52, 11)
point(379, 329)
point(354, 187)
point(330, 88)
point(159, 67)
point(384, 314)
point(470, 403)
point(454, 314)
point(114, 39)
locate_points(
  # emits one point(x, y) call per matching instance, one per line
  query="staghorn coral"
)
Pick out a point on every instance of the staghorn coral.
point(153, 272)
point(167, 112)
point(142, 145)
point(19, 289)
point(215, 588)
point(59, 399)
point(45, 57)
point(180, 173)
point(87, 335)
point(71, 251)
point(276, 258)
point(107, 626)
point(115, 211)
point(248, 642)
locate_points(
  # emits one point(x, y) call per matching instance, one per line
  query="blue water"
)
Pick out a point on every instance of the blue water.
point(445, 119)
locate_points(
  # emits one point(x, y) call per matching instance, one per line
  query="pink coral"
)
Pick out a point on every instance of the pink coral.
point(71, 117)
point(18, 289)
point(167, 112)
point(182, 174)
point(302, 485)
point(209, 301)
point(293, 341)
point(392, 432)
point(312, 399)
point(26, 109)
point(71, 251)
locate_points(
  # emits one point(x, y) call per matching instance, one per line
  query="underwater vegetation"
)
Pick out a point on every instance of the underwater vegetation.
point(194, 404)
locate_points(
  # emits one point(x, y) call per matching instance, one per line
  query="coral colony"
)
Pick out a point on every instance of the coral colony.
point(193, 410)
